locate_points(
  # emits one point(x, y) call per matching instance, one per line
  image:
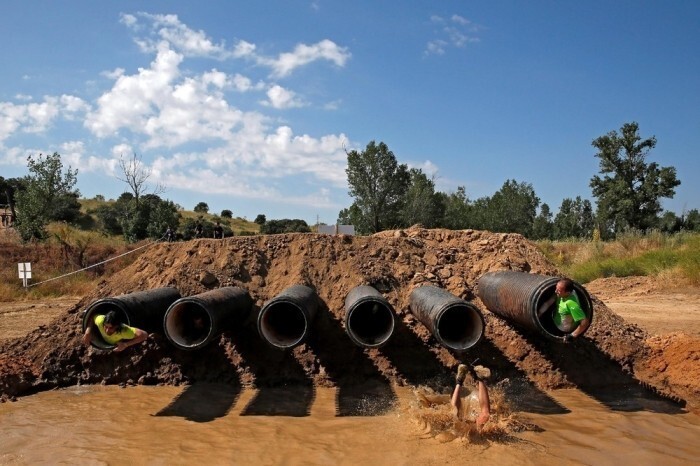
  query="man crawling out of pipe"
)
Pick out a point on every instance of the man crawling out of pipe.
point(114, 332)
point(568, 316)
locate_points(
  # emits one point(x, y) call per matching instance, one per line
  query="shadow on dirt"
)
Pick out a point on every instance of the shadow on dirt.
point(362, 389)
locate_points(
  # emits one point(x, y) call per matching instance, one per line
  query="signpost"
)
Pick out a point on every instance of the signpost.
point(25, 272)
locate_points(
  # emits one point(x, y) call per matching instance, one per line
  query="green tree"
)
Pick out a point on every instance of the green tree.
point(575, 219)
point(420, 203)
point(630, 189)
point(542, 227)
point(8, 189)
point(285, 226)
point(201, 208)
point(457, 210)
point(691, 220)
point(669, 222)
point(512, 209)
point(226, 213)
point(49, 195)
point(377, 185)
point(260, 219)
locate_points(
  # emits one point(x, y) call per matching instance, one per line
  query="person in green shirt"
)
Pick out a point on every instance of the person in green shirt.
point(568, 315)
point(114, 332)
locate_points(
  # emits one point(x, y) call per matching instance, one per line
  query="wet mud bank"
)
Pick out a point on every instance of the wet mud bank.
point(614, 355)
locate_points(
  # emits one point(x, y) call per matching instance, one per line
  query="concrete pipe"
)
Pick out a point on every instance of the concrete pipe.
point(517, 297)
point(455, 323)
point(369, 318)
point(142, 309)
point(285, 320)
point(193, 322)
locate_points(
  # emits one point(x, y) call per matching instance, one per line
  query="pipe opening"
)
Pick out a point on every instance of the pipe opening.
point(459, 327)
point(371, 323)
point(546, 317)
point(102, 308)
point(188, 324)
point(283, 324)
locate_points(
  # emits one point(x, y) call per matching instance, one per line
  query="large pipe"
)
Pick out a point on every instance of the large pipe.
point(141, 309)
point(455, 323)
point(369, 318)
point(517, 297)
point(285, 320)
point(193, 322)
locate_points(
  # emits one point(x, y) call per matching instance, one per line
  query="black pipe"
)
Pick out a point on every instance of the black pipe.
point(517, 297)
point(285, 320)
point(369, 318)
point(193, 322)
point(141, 309)
point(455, 323)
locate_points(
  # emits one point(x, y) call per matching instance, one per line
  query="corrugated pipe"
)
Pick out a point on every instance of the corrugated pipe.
point(193, 322)
point(455, 323)
point(142, 309)
point(369, 318)
point(517, 297)
point(285, 320)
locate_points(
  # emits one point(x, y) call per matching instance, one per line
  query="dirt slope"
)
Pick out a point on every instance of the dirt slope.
point(614, 354)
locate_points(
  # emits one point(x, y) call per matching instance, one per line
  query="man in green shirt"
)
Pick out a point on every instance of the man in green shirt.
point(114, 332)
point(568, 315)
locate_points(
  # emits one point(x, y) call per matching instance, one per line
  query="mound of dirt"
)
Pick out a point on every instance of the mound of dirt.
point(614, 353)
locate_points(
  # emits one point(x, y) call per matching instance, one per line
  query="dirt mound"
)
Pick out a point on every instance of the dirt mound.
point(394, 262)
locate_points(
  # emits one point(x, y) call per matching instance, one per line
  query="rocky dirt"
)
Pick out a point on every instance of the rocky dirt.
point(615, 354)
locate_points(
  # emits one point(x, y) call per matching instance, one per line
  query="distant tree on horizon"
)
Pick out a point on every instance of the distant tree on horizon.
point(629, 189)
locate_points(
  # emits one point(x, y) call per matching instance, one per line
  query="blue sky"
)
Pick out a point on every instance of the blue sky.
point(248, 106)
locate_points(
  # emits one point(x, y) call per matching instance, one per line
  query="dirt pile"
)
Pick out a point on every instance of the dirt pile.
point(394, 262)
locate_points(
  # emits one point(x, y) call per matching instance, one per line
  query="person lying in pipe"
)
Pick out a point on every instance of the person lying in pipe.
point(114, 332)
point(568, 315)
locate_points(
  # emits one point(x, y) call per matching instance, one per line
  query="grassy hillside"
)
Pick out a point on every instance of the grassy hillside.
point(672, 258)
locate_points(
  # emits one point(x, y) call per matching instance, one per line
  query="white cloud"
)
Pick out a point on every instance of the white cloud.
point(304, 54)
point(456, 32)
point(37, 117)
point(281, 98)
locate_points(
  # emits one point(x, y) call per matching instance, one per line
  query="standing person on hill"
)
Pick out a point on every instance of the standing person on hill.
point(568, 315)
point(198, 229)
point(114, 332)
point(218, 231)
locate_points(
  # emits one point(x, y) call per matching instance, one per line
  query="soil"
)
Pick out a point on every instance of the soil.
point(614, 353)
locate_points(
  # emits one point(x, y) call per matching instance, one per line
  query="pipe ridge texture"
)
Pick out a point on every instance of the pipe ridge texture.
point(141, 309)
point(195, 321)
point(285, 320)
point(454, 322)
point(369, 318)
point(517, 296)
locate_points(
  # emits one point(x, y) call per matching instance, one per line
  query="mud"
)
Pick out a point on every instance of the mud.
point(614, 354)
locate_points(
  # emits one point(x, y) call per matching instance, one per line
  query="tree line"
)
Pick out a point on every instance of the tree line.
point(628, 190)
point(386, 195)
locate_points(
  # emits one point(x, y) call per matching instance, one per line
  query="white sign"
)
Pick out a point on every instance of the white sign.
point(25, 269)
point(25, 272)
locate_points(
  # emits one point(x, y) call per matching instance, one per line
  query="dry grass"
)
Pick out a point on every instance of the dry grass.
point(673, 259)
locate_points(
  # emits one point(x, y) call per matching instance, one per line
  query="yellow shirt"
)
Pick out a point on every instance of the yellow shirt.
point(125, 333)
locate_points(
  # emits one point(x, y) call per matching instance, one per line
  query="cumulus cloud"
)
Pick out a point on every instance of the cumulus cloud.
point(37, 117)
point(188, 127)
point(280, 98)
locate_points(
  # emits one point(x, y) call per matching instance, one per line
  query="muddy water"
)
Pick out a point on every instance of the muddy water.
point(216, 424)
